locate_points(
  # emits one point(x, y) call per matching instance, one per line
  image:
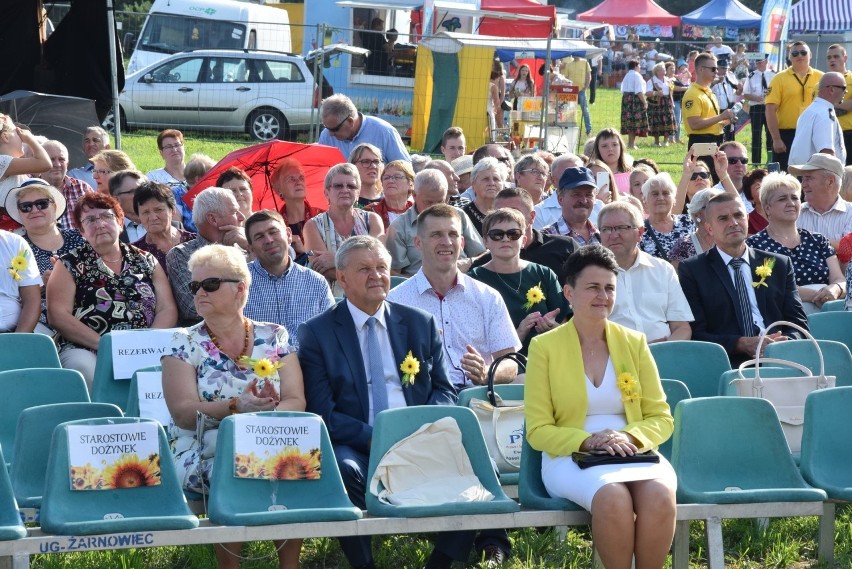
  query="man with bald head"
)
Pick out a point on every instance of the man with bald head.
point(818, 128)
point(72, 188)
point(430, 188)
point(453, 197)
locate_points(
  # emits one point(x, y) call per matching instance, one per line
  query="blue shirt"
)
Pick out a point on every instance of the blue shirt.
point(289, 300)
point(375, 131)
point(84, 173)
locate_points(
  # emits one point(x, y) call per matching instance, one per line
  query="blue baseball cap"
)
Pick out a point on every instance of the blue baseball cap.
point(577, 178)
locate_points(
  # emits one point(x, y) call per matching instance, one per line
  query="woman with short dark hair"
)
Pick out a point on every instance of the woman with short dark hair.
point(155, 205)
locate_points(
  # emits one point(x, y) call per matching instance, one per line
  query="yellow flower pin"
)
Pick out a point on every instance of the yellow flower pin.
point(534, 296)
point(764, 271)
point(19, 263)
point(627, 385)
point(262, 367)
point(409, 367)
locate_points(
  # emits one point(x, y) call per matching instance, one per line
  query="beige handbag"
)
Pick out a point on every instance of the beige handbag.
point(787, 394)
point(502, 421)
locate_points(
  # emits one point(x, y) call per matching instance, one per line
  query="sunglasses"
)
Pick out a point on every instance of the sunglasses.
point(702, 175)
point(209, 285)
point(741, 160)
point(339, 126)
point(499, 234)
point(798, 53)
point(26, 207)
point(713, 69)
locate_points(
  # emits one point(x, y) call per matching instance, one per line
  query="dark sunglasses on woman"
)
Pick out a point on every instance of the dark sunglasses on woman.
point(696, 175)
point(498, 234)
point(209, 285)
point(26, 207)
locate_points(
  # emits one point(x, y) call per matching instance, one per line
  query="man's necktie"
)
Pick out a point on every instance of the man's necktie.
point(743, 306)
point(377, 374)
point(763, 81)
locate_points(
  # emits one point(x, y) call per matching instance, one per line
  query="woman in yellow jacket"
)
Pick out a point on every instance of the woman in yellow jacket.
point(591, 385)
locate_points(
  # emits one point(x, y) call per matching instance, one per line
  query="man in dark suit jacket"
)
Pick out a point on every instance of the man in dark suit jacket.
point(335, 355)
point(708, 283)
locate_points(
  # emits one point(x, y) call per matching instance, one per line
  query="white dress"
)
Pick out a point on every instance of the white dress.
point(564, 479)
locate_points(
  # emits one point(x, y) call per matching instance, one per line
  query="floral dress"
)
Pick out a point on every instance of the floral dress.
point(218, 378)
point(662, 246)
point(106, 301)
point(71, 239)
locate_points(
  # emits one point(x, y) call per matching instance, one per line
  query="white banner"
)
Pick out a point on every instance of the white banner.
point(105, 457)
point(152, 405)
point(277, 448)
point(135, 349)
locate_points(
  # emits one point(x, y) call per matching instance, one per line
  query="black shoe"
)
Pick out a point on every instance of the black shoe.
point(439, 560)
point(493, 557)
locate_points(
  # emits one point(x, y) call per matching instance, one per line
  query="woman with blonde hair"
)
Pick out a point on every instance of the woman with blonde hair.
point(106, 164)
point(15, 165)
point(397, 192)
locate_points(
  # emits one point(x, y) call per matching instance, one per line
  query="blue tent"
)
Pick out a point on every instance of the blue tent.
point(727, 13)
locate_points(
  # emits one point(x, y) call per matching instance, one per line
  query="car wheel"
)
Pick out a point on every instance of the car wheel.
point(109, 121)
point(267, 124)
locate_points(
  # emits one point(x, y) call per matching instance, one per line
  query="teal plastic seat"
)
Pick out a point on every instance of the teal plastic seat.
point(675, 391)
point(393, 425)
point(32, 444)
point(697, 364)
point(105, 388)
point(837, 357)
point(834, 325)
point(25, 388)
point(727, 389)
point(22, 351)
point(246, 501)
point(826, 457)
point(834, 305)
point(506, 392)
point(11, 526)
point(732, 450)
point(531, 491)
point(396, 281)
point(73, 512)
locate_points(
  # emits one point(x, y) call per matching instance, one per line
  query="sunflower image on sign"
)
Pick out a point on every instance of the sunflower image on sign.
point(114, 457)
point(277, 448)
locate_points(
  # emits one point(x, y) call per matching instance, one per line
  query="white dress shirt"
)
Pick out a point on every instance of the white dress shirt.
point(817, 128)
point(649, 297)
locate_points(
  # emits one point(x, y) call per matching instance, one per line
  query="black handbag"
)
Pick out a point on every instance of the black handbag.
point(601, 457)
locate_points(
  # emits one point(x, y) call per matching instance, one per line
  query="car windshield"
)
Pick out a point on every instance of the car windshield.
point(166, 33)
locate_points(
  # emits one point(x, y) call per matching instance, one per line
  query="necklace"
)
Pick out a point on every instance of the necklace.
point(245, 344)
point(784, 239)
point(520, 280)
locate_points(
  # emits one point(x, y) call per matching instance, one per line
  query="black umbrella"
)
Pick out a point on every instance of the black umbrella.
point(54, 116)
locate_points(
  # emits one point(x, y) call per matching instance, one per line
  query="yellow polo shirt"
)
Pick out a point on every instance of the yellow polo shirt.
point(699, 101)
point(846, 120)
point(792, 94)
point(576, 71)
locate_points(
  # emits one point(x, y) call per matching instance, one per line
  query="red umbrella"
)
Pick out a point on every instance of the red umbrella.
point(261, 160)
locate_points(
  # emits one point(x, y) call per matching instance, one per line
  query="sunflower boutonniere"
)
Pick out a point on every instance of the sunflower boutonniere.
point(409, 367)
point(627, 385)
point(18, 264)
point(534, 296)
point(764, 271)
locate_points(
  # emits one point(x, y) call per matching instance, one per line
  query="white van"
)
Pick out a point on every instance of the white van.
point(181, 25)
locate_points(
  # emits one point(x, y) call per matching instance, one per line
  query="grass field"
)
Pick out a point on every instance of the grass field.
point(786, 543)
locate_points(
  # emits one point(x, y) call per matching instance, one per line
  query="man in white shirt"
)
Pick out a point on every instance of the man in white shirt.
point(649, 297)
point(818, 129)
point(823, 210)
point(754, 91)
point(725, 88)
point(717, 48)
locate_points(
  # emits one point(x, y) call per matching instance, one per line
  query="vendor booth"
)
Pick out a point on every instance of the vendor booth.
point(821, 16)
point(725, 13)
point(457, 95)
point(629, 13)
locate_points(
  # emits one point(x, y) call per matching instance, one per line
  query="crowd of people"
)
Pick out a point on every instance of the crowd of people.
point(578, 261)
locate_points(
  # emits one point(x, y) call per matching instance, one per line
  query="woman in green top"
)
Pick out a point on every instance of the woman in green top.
point(531, 291)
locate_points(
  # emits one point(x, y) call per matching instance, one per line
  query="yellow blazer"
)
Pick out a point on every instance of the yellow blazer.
point(556, 400)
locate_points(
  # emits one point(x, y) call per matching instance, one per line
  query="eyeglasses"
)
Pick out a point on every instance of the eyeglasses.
point(616, 229)
point(43, 204)
point(838, 87)
point(124, 193)
point(713, 69)
point(734, 160)
point(209, 285)
point(367, 163)
point(702, 175)
point(101, 172)
point(338, 187)
point(798, 53)
point(339, 126)
point(394, 178)
point(499, 234)
point(171, 146)
point(93, 219)
point(535, 172)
